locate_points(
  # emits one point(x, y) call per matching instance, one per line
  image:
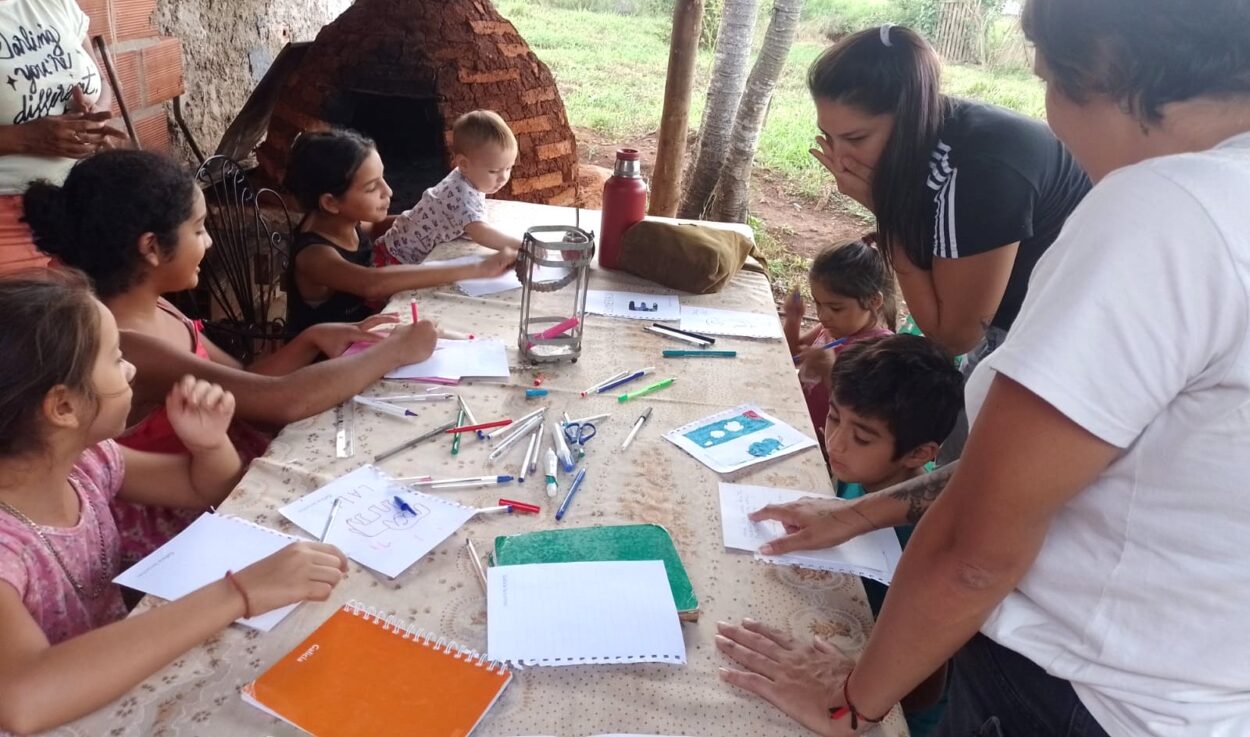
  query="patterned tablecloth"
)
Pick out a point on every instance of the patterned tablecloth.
point(653, 482)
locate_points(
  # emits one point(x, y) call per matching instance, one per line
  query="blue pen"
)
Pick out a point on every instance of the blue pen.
point(632, 377)
point(825, 347)
point(577, 482)
point(404, 506)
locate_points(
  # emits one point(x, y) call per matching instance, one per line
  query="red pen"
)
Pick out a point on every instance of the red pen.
point(413, 305)
point(483, 426)
point(520, 506)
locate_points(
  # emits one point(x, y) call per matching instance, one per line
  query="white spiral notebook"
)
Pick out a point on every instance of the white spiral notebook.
point(596, 613)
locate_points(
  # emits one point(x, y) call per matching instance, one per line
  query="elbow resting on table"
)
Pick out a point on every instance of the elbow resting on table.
point(18, 715)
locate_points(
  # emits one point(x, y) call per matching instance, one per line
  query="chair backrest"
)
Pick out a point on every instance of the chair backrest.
point(243, 271)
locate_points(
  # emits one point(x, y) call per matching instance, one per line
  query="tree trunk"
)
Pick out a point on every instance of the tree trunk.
point(734, 186)
point(674, 120)
point(724, 92)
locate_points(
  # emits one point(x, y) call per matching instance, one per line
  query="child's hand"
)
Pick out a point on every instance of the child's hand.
point(816, 364)
point(811, 524)
point(301, 571)
point(496, 264)
point(412, 343)
point(792, 312)
point(332, 338)
point(200, 413)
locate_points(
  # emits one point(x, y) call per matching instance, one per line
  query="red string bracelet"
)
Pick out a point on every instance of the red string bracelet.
point(856, 716)
point(247, 602)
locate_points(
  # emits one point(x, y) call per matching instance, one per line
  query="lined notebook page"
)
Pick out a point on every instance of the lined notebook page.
point(583, 613)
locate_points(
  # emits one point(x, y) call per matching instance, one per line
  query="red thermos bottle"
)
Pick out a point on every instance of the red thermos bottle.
point(624, 204)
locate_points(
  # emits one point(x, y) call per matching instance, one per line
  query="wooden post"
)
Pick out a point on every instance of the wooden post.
point(671, 149)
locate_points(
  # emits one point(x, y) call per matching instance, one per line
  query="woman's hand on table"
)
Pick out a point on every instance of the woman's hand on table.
point(812, 524)
point(302, 571)
point(496, 264)
point(412, 343)
point(853, 178)
point(332, 338)
point(801, 678)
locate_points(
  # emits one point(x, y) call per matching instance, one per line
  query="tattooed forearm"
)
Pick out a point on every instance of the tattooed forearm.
point(919, 493)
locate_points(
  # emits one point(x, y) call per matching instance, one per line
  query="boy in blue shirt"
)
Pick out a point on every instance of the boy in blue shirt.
point(893, 401)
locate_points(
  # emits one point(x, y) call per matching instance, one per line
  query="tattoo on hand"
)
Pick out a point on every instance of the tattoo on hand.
point(920, 492)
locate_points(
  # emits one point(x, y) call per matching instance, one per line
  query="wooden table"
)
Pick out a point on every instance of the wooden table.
point(653, 482)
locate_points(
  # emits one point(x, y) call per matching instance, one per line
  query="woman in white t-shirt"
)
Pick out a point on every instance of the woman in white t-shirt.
point(53, 108)
point(1086, 565)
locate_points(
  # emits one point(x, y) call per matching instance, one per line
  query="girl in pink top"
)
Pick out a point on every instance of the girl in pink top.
point(854, 295)
point(146, 239)
point(65, 645)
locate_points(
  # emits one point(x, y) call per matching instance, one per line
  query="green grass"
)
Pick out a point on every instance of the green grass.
point(611, 68)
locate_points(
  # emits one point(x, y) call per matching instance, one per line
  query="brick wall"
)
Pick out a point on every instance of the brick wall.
point(148, 66)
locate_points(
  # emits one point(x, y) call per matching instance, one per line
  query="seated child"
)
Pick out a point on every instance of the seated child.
point(854, 294)
point(336, 176)
point(66, 646)
point(139, 242)
point(484, 151)
point(893, 401)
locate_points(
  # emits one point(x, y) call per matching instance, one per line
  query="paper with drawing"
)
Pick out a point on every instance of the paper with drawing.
point(873, 555)
point(633, 305)
point(370, 528)
point(738, 438)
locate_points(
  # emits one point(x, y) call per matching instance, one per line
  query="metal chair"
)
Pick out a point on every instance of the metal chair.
point(245, 269)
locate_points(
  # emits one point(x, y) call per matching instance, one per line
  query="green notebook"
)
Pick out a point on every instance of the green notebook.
point(614, 542)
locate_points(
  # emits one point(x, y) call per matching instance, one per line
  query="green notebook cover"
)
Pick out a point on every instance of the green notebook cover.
point(614, 542)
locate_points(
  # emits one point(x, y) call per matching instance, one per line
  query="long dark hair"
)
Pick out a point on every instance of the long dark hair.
point(856, 269)
point(50, 336)
point(325, 162)
point(902, 78)
point(94, 221)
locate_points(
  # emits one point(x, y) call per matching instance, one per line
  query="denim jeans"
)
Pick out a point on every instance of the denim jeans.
point(996, 692)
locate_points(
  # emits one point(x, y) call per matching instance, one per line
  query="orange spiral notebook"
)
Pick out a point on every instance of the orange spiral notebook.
point(361, 674)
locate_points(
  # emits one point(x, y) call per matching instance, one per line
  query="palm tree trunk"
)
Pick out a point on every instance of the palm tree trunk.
point(733, 188)
point(724, 92)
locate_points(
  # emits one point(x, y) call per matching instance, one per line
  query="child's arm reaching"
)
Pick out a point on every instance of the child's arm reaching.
point(323, 265)
point(485, 234)
point(43, 686)
point(200, 413)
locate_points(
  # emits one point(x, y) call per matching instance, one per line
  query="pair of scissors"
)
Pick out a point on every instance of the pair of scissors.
point(577, 433)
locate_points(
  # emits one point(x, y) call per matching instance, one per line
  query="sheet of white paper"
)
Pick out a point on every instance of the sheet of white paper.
point(739, 437)
point(455, 359)
point(201, 554)
point(503, 283)
point(370, 528)
point(873, 555)
point(711, 321)
point(579, 613)
point(654, 307)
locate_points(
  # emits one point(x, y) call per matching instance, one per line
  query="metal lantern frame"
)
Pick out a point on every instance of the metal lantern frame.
point(571, 249)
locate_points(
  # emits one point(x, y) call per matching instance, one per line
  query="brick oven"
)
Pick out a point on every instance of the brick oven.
point(401, 71)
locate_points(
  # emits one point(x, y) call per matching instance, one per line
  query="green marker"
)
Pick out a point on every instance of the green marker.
point(700, 354)
point(455, 439)
point(646, 390)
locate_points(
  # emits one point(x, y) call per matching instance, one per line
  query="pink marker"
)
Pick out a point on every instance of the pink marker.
point(413, 304)
point(558, 328)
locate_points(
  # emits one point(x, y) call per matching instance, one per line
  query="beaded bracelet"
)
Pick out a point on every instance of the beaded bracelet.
point(247, 602)
point(856, 716)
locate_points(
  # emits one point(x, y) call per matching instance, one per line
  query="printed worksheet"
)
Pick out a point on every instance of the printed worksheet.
point(633, 305)
point(738, 438)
